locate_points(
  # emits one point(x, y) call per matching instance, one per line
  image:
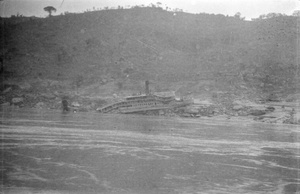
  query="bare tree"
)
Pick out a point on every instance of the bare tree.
point(49, 9)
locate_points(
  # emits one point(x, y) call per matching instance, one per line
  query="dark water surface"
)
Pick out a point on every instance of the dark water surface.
point(51, 152)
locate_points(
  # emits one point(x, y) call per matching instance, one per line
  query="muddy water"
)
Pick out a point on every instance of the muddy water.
point(52, 152)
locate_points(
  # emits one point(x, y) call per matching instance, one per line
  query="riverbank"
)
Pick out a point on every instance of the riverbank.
point(258, 113)
point(48, 94)
point(281, 113)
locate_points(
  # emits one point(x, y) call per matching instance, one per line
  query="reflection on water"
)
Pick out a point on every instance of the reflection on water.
point(46, 151)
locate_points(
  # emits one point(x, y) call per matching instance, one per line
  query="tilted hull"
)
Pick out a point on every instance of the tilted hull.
point(138, 104)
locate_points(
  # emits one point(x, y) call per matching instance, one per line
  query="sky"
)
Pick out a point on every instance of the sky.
point(248, 8)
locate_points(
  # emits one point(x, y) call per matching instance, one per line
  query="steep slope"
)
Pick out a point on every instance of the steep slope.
point(114, 51)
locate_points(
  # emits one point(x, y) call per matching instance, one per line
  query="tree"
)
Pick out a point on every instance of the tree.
point(273, 15)
point(296, 13)
point(238, 16)
point(49, 9)
point(263, 16)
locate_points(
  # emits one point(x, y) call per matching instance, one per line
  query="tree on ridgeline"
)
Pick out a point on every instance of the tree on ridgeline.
point(49, 9)
point(296, 13)
point(238, 16)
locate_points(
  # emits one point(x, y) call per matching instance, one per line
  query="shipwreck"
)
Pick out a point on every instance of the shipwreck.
point(147, 103)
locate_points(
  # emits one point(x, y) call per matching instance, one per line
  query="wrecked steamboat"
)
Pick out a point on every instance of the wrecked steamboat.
point(145, 104)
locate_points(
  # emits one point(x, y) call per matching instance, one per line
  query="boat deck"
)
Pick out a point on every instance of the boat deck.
point(140, 109)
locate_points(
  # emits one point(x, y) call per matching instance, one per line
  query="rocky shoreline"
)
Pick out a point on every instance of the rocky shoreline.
point(256, 112)
point(46, 94)
point(25, 95)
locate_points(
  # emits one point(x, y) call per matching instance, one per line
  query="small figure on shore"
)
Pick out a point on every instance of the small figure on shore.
point(65, 105)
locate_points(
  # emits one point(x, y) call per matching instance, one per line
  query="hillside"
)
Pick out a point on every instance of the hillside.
point(112, 52)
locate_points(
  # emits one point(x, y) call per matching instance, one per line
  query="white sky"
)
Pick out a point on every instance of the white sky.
point(248, 8)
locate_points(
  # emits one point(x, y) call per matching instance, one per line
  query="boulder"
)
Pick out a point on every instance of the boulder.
point(75, 104)
point(191, 110)
point(2, 99)
point(7, 90)
point(257, 112)
point(31, 96)
point(270, 109)
point(48, 95)
point(296, 118)
point(161, 112)
point(17, 100)
point(242, 113)
point(43, 83)
point(40, 105)
point(237, 107)
point(24, 86)
point(5, 104)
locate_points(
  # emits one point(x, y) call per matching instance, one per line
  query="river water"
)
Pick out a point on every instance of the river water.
point(46, 151)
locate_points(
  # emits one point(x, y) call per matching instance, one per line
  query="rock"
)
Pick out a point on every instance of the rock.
point(161, 112)
point(7, 90)
point(5, 104)
point(185, 115)
point(48, 95)
point(82, 31)
point(296, 118)
point(270, 109)
point(293, 97)
point(75, 104)
point(24, 86)
point(40, 105)
point(53, 83)
point(216, 110)
point(83, 109)
point(17, 100)
point(281, 121)
point(14, 106)
point(288, 109)
point(2, 99)
point(56, 93)
point(43, 83)
point(237, 107)
point(191, 110)
point(257, 112)
point(89, 107)
point(259, 107)
point(31, 96)
point(242, 113)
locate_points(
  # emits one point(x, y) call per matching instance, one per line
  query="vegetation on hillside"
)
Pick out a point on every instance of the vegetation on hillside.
point(190, 53)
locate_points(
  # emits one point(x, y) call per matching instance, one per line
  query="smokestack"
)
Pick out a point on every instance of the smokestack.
point(147, 91)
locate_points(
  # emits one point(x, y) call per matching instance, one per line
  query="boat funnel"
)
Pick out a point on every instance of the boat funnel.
point(147, 91)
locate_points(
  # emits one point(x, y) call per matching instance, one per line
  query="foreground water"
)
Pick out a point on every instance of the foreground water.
point(51, 152)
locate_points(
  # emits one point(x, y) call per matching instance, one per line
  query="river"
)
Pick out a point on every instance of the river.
point(46, 151)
